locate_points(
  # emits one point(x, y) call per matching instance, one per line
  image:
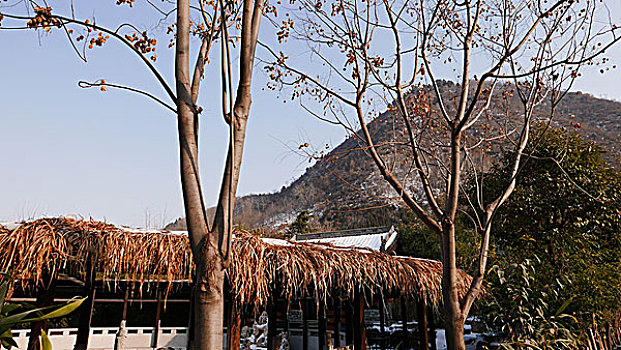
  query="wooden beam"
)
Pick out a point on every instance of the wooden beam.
point(321, 326)
point(45, 297)
point(360, 332)
point(421, 316)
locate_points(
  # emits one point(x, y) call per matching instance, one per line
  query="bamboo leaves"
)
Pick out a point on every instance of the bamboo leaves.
point(33, 315)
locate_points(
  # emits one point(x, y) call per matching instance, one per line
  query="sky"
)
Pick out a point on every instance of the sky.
point(113, 155)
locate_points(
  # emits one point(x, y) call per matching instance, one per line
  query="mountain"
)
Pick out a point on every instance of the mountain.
point(345, 190)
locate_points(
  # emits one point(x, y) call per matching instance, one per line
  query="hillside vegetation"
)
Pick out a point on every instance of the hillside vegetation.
point(343, 189)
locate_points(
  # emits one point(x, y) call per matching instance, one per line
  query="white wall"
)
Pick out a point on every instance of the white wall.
point(138, 338)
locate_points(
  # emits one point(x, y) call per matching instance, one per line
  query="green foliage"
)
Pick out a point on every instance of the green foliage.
point(301, 224)
point(417, 240)
point(566, 209)
point(525, 315)
point(10, 316)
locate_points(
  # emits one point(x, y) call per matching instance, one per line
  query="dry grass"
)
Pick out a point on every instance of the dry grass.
point(36, 252)
point(301, 268)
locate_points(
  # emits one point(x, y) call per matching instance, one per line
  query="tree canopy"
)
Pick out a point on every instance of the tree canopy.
point(565, 210)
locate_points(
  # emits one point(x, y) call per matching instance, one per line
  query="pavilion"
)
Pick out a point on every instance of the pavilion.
point(265, 274)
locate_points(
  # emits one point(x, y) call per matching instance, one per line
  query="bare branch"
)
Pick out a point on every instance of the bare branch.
point(116, 35)
point(100, 83)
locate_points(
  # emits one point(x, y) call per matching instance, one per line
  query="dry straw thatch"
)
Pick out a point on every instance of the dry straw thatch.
point(36, 252)
point(301, 268)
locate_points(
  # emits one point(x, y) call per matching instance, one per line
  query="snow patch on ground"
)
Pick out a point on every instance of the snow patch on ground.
point(471, 339)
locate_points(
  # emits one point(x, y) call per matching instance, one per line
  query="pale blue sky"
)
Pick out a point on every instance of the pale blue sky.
point(113, 155)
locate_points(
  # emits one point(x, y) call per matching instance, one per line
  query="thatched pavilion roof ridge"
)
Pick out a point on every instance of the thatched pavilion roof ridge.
point(376, 238)
point(38, 251)
point(344, 233)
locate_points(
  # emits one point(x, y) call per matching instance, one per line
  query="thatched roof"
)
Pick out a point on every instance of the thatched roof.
point(38, 251)
point(377, 238)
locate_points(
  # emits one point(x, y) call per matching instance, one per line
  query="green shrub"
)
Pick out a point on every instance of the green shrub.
point(524, 315)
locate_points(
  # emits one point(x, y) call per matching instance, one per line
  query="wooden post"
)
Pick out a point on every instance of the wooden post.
point(190, 334)
point(349, 323)
point(271, 322)
point(304, 324)
point(337, 322)
point(404, 318)
point(421, 316)
point(382, 316)
point(45, 297)
point(86, 312)
point(158, 315)
point(125, 302)
point(321, 326)
point(432, 328)
point(234, 326)
point(286, 314)
point(360, 332)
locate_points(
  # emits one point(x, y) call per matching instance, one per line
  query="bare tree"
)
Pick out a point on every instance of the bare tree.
point(375, 54)
point(210, 239)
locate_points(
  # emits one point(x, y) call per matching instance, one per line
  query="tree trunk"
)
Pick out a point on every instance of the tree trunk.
point(454, 324)
point(210, 246)
point(209, 310)
point(208, 299)
point(453, 316)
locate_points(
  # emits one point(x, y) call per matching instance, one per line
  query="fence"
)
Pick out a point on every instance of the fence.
point(138, 338)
